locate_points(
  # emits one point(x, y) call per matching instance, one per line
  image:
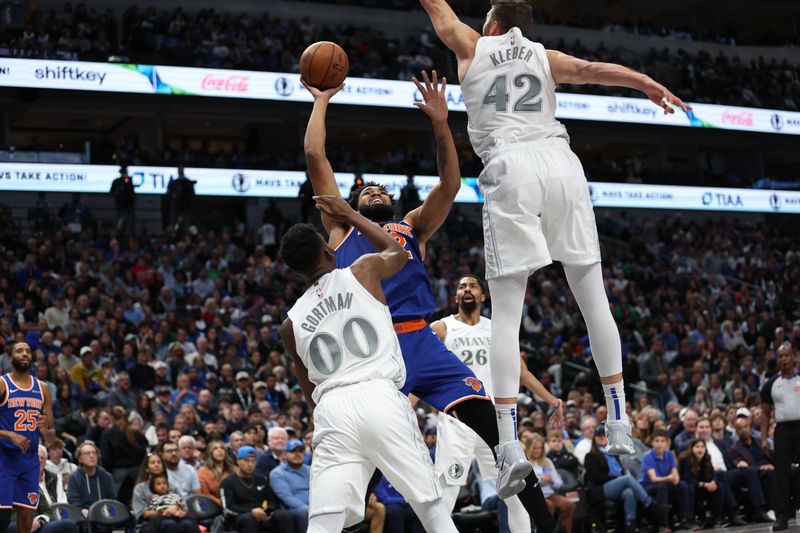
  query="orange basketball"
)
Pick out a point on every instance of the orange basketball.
point(324, 65)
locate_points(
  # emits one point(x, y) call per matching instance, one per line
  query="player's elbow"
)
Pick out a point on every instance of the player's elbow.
point(314, 153)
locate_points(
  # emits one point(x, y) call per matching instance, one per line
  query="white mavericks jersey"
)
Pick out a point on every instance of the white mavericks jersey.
point(471, 344)
point(344, 335)
point(509, 93)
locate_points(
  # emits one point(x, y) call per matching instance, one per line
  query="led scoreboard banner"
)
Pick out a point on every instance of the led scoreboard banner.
point(188, 81)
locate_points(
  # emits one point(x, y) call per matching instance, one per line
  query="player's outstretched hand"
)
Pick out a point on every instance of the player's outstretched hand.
point(335, 207)
point(316, 93)
point(434, 97)
point(20, 441)
point(662, 97)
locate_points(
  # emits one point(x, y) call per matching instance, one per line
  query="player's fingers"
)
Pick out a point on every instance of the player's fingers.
point(420, 88)
point(435, 81)
point(427, 80)
point(444, 84)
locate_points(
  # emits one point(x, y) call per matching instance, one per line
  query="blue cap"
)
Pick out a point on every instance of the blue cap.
point(293, 444)
point(246, 451)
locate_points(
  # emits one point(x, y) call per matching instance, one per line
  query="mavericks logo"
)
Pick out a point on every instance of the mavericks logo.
point(777, 122)
point(240, 182)
point(455, 471)
point(283, 86)
point(775, 201)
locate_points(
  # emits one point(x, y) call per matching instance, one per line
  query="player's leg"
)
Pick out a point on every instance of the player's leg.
point(450, 386)
point(479, 416)
point(340, 472)
point(24, 519)
point(435, 517)
point(586, 283)
point(455, 447)
point(519, 521)
point(7, 482)
point(508, 295)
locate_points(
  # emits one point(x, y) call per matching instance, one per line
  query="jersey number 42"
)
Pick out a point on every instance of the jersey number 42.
point(499, 94)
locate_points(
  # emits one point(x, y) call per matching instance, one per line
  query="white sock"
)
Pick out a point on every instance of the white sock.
point(506, 421)
point(615, 401)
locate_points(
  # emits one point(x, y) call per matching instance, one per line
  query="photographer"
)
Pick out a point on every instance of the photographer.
point(124, 194)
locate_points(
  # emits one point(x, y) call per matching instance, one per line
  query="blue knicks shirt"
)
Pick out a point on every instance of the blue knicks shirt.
point(408, 292)
point(20, 413)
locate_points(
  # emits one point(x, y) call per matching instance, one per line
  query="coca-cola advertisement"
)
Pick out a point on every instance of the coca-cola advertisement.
point(229, 84)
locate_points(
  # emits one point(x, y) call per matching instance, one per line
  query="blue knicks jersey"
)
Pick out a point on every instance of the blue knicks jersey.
point(408, 292)
point(20, 413)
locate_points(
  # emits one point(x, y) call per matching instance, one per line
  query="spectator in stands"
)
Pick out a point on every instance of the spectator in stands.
point(122, 394)
point(732, 476)
point(584, 443)
point(182, 478)
point(243, 395)
point(187, 446)
point(550, 480)
point(218, 465)
point(291, 481)
point(124, 194)
point(748, 450)
point(249, 500)
point(399, 515)
point(661, 479)
point(166, 512)
point(559, 455)
point(58, 464)
point(606, 481)
point(85, 372)
point(123, 449)
point(142, 493)
point(50, 494)
point(697, 471)
point(89, 483)
point(689, 433)
point(719, 432)
point(272, 457)
point(163, 404)
point(75, 214)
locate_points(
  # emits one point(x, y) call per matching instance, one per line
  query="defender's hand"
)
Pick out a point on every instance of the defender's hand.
point(434, 96)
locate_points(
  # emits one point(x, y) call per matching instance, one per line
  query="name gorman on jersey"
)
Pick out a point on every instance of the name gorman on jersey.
point(35, 403)
point(515, 52)
point(328, 305)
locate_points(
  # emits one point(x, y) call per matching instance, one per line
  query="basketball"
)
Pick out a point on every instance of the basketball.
point(324, 65)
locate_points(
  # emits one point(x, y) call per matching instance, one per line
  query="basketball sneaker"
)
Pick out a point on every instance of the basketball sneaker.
point(619, 437)
point(512, 468)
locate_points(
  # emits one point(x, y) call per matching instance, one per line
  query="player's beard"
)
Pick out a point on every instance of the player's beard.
point(468, 307)
point(377, 212)
point(20, 367)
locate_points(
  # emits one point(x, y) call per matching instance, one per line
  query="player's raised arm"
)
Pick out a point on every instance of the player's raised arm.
point(320, 171)
point(427, 218)
point(369, 269)
point(300, 370)
point(456, 35)
point(569, 69)
point(530, 382)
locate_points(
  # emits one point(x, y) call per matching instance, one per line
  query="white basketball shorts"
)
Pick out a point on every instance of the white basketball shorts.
point(456, 444)
point(537, 209)
point(358, 428)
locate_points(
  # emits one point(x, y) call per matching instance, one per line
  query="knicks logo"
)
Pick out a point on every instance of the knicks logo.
point(475, 383)
point(33, 498)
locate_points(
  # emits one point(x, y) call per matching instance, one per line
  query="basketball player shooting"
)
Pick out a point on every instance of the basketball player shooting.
point(537, 207)
point(25, 408)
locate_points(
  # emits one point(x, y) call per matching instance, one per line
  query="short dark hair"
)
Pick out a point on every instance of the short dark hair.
point(152, 483)
point(477, 279)
point(356, 193)
point(659, 433)
point(301, 247)
point(511, 13)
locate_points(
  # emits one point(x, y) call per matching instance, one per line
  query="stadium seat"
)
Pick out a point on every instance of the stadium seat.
point(65, 511)
point(201, 507)
point(109, 514)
